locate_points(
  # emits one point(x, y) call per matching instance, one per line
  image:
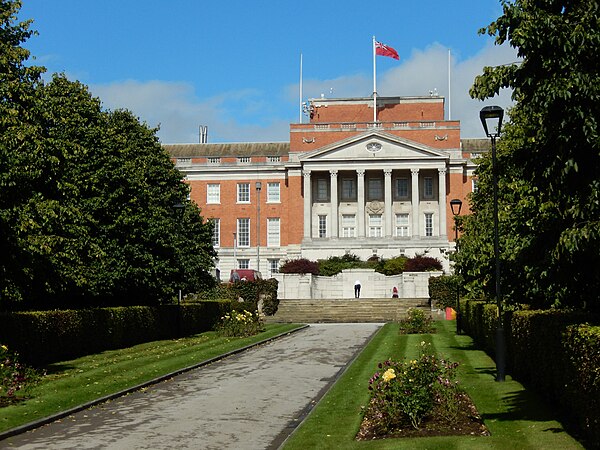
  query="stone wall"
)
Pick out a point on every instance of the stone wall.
point(374, 285)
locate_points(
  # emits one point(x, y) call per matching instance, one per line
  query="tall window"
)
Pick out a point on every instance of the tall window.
point(322, 226)
point(322, 190)
point(474, 185)
point(216, 237)
point(213, 193)
point(243, 192)
point(375, 223)
point(273, 233)
point(428, 224)
point(348, 225)
point(273, 266)
point(348, 189)
point(402, 225)
point(243, 263)
point(273, 195)
point(401, 188)
point(243, 233)
point(375, 186)
point(428, 187)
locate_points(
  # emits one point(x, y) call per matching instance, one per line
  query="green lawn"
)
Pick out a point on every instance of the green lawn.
point(517, 419)
point(69, 384)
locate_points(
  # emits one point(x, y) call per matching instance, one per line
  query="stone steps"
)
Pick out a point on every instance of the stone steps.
point(345, 310)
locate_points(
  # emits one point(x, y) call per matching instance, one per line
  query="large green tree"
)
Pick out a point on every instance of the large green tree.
point(549, 158)
point(87, 198)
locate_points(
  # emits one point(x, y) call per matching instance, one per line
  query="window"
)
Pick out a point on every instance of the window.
point(348, 225)
point(428, 224)
point(428, 187)
point(375, 223)
point(243, 192)
point(213, 193)
point(375, 186)
point(402, 225)
point(402, 188)
point(474, 185)
point(243, 233)
point(216, 237)
point(348, 189)
point(273, 159)
point(273, 266)
point(322, 226)
point(273, 195)
point(243, 160)
point(322, 190)
point(214, 160)
point(273, 235)
point(243, 263)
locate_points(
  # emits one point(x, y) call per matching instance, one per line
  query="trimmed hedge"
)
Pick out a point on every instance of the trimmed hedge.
point(552, 352)
point(43, 337)
point(442, 291)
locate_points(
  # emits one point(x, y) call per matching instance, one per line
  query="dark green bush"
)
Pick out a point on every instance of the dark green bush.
point(392, 266)
point(549, 351)
point(42, 337)
point(443, 291)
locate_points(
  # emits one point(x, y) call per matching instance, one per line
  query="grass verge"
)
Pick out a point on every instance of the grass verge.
point(69, 384)
point(516, 418)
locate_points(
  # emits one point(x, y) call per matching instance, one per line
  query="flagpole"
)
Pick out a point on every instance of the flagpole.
point(374, 85)
point(300, 105)
point(449, 91)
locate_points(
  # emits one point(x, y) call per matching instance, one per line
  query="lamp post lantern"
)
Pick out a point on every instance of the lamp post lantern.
point(456, 205)
point(258, 188)
point(491, 119)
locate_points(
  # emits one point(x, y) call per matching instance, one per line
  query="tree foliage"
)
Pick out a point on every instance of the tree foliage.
point(86, 197)
point(548, 159)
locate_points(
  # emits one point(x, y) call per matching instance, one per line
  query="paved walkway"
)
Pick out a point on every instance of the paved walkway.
point(252, 400)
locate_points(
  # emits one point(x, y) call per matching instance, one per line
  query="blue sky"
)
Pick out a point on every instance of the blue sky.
point(235, 66)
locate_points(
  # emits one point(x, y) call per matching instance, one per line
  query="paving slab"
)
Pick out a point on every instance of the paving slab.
point(252, 400)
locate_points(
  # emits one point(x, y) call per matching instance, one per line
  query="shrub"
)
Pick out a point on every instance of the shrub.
point(240, 324)
point(420, 263)
point(393, 266)
point(335, 264)
point(417, 322)
point(405, 392)
point(15, 378)
point(301, 265)
point(442, 291)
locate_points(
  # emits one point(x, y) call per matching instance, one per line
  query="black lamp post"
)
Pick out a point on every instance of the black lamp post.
point(456, 205)
point(179, 209)
point(493, 115)
point(258, 188)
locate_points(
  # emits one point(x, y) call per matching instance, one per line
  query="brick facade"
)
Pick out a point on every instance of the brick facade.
point(344, 184)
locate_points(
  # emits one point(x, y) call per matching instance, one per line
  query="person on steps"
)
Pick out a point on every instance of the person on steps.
point(357, 289)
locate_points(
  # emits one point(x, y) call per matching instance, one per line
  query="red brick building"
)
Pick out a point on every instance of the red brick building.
point(342, 184)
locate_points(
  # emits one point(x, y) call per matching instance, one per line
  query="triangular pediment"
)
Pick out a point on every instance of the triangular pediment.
point(373, 145)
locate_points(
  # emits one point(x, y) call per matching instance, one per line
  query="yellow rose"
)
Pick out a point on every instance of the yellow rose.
point(388, 375)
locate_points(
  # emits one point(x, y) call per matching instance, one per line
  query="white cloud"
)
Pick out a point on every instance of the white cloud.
point(255, 116)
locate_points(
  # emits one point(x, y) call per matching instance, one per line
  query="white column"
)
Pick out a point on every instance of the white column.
point(416, 232)
point(388, 206)
point(334, 232)
point(307, 205)
point(442, 201)
point(360, 190)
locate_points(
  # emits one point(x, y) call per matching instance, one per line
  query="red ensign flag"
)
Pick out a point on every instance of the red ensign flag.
point(385, 50)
